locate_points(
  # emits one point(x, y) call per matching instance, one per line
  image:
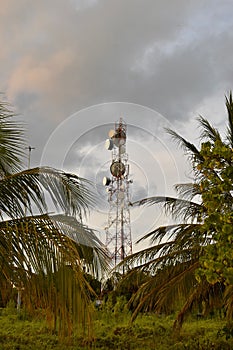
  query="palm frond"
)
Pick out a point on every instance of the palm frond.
point(229, 105)
point(162, 291)
point(176, 231)
point(208, 131)
point(187, 191)
point(11, 141)
point(18, 192)
point(21, 190)
point(179, 208)
point(70, 238)
point(160, 233)
point(148, 258)
point(169, 245)
point(46, 257)
point(210, 295)
point(171, 265)
point(188, 147)
point(68, 191)
point(177, 251)
point(228, 301)
point(90, 249)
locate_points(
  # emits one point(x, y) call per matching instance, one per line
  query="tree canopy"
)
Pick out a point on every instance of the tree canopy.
point(190, 261)
point(43, 255)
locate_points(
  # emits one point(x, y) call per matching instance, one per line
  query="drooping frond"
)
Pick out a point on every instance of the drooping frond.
point(45, 256)
point(148, 258)
point(56, 234)
point(161, 233)
point(173, 232)
point(208, 131)
point(179, 208)
point(68, 192)
point(169, 245)
point(187, 191)
point(210, 295)
point(11, 141)
point(171, 262)
point(18, 192)
point(229, 105)
point(177, 277)
point(163, 291)
point(228, 299)
point(188, 147)
point(89, 247)
point(38, 255)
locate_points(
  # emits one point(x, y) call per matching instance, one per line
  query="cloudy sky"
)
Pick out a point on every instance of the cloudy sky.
point(71, 68)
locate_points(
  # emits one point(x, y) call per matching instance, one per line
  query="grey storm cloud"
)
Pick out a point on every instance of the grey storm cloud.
point(60, 57)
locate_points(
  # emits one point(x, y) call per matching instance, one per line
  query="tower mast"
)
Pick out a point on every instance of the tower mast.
point(118, 229)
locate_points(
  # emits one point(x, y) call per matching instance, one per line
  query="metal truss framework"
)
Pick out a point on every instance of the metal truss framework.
point(118, 229)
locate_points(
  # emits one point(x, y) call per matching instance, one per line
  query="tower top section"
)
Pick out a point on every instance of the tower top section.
point(117, 137)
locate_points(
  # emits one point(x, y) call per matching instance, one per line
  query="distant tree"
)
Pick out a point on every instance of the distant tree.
point(124, 285)
point(191, 262)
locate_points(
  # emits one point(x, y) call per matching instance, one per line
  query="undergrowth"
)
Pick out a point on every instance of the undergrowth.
point(113, 330)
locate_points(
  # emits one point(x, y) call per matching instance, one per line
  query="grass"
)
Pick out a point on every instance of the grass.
point(113, 330)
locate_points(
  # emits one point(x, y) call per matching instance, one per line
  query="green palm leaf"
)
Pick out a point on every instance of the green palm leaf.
point(90, 248)
point(210, 295)
point(188, 147)
point(21, 190)
point(188, 190)
point(45, 256)
point(173, 263)
point(229, 105)
point(208, 131)
point(162, 291)
point(11, 141)
point(180, 208)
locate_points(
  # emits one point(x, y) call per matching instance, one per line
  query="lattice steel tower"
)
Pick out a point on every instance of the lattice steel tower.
point(118, 229)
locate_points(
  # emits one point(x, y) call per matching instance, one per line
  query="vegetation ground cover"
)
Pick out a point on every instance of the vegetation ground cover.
point(113, 330)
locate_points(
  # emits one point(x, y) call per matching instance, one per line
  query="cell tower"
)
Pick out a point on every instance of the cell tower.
point(118, 229)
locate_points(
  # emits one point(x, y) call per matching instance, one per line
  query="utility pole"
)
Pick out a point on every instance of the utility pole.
point(29, 155)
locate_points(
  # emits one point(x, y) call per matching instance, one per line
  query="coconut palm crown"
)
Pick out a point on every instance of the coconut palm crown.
point(43, 256)
point(183, 260)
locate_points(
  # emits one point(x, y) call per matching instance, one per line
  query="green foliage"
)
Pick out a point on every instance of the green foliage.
point(11, 141)
point(216, 189)
point(42, 256)
point(226, 331)
point(94, 283)
point(10, 308)
point(191, 261)
point(147, 332)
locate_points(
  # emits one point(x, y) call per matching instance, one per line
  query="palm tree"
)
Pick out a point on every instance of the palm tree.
point(174, 258)
point(43, 254)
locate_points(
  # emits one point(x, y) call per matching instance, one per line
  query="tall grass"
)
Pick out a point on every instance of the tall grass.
point(113, 330)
